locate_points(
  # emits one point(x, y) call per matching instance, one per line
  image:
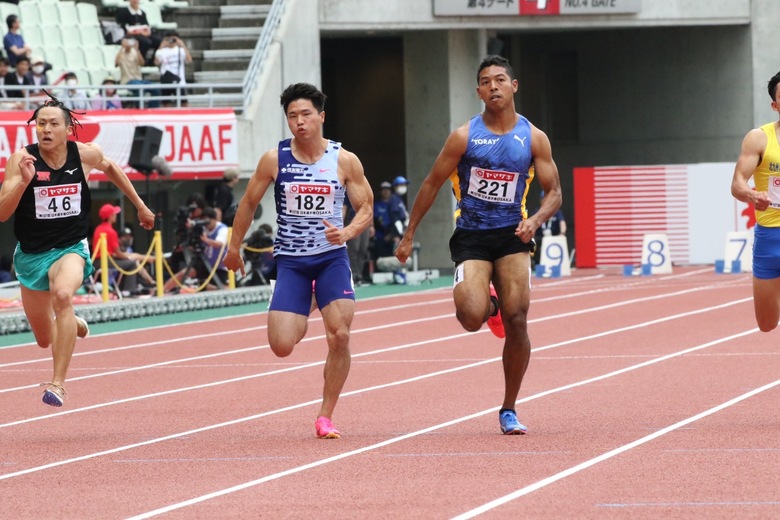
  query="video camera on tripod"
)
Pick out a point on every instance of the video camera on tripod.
point(189, 230)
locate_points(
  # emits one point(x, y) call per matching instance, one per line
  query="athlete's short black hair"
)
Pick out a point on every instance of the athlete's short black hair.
point(303, 91)
point(772, 86)
point(68, 114)
point(498, 61)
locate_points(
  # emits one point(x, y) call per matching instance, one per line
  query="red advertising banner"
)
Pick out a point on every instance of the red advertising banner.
point(539, 7)
point(615, 207)
point(196, 144)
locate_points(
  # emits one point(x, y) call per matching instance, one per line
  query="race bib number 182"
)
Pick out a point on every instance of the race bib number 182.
point(57, 201)
point(310, 200)
point(492, 185)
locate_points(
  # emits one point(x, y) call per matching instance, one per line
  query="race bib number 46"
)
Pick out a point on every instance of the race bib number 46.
point(492, 185)
point(310, 200)
point(57, 201)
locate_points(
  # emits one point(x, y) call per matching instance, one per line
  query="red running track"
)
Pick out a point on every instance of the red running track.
point(646, 397)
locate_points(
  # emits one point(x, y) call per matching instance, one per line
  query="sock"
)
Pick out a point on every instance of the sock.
point(495, 304)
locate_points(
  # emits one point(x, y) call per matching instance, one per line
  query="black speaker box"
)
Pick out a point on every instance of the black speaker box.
point(146, 144)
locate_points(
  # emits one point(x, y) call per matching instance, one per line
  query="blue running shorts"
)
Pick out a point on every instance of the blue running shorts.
point(32, 269)
point(295, 274)
point(766, 252)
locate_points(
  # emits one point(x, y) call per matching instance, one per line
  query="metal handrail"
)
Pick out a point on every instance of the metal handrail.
point(196, 94)
point(260, 53)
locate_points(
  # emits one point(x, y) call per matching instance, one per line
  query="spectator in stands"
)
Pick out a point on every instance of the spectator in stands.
point(107, 98)
point(13, 42)
point(129, 60)
point(133, 20)
point(220, 196)
point(37, 76)
point(172, 57)
point(19, 78)
point(7, 102)
point(73, 97)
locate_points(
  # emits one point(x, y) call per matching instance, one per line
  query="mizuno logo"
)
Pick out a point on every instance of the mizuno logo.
point(522, 140)
point(70, 172)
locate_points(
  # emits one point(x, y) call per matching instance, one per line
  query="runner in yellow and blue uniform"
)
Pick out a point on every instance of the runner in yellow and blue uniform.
point(493, 155)
point(760, 158)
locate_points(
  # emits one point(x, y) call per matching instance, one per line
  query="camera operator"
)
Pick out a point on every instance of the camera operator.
point(184, 216)
point(171, 57)
point(205, 241)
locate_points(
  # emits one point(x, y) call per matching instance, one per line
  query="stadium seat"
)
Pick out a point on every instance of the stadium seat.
point(30, 15)
point(88, 16)
point(154, 17)
point(92, 37)
point(57, 58)
point(68, 14)
point(109, 55)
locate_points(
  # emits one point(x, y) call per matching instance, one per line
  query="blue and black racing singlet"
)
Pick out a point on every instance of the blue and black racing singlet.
point(54, 209)
point(493, 176)
point(306, 194)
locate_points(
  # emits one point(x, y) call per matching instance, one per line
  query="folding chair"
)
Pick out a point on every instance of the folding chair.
point(114, 281)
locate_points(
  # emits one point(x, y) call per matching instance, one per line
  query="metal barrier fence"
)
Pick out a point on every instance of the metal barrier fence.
point(140, 95)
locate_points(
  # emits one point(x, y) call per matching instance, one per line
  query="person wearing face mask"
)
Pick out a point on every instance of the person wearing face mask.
point(401, 187)
point(73, 98)
point(107, 98)
point(37, 76)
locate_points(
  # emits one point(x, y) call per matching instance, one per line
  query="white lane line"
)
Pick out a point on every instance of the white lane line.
point(357, 331)
point(354, 356)
point(400, 438)
point(373, 388)
point(198, 336)
point(246, 378)
point(218, 354)
point(612, 453)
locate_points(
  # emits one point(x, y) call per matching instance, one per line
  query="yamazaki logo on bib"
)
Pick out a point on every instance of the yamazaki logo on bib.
point(492, 175)
point(56, 191)
point(315, 189)
point(493, 185)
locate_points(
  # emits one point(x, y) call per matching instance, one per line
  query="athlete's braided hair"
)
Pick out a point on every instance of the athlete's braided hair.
point(70, 119)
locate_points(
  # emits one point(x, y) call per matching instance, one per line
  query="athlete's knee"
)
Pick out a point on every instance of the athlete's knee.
point(338, 338)
point(61, 299)
point(282, 347)
point(470, 321)
point(516, 323)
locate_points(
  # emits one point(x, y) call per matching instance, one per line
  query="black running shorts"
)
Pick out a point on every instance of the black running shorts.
point(487, 244)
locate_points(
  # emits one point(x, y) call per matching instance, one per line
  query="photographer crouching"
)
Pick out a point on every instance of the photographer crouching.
point(203, 247)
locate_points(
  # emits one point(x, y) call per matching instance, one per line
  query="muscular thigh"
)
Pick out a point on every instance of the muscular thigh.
point(471, 280)
point(512, 280)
